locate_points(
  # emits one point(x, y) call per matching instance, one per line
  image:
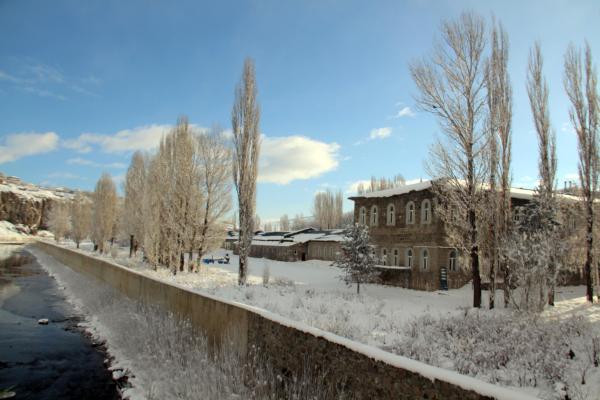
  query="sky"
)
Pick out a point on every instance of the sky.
point(84, 84)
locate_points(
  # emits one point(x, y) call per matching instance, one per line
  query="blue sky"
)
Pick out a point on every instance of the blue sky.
point(83, 84)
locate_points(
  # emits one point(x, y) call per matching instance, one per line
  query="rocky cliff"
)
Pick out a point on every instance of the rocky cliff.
point(27, 204)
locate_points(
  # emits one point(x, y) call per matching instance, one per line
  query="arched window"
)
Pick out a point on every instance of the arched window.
point(410, 213)
point(391, 215)
point(396, 257)
point(362, 216)
point(425, 259)
point(384, 256)
point(425, 211)
point(374, 216)
point(452, 261)
point(409, 258)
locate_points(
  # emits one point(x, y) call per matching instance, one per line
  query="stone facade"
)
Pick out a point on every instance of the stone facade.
point(410, 240)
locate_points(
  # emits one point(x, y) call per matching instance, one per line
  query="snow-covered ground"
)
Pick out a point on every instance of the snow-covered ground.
point(436, 327)
point(19, 233)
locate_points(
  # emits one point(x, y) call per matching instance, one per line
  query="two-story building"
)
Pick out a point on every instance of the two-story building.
point(410, 238)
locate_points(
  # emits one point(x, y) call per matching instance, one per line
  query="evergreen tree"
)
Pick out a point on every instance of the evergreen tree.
point(357, 258)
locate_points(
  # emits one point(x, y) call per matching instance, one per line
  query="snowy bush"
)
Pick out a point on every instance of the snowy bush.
point(504, 348)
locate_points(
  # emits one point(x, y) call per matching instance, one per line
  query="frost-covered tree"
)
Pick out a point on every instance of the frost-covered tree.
point(153, 211)
point(300, 222)
point(499, 102)
point(327, 209)
point(357, 257)
point(134, 189)
point(451, 86)
point(81, 218)
point(580, 81)
point(529, 250)
point(284, 223)
point(214, 159)
point(59, 220)
point(104, 211)
point(537, 89)
point(245, 118)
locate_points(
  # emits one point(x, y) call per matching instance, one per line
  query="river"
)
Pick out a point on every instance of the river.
point(54, 361)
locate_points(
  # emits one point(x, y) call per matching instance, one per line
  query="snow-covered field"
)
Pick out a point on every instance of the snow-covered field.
point(547, 356)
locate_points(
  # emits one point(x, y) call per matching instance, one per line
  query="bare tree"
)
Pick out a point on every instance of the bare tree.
point(134, 188)
point(59, 220)
point(451, 87)
point(215, 170)
point(284, 223)
point(580, 81)
point(105, 211)
point(245, 118)
point(537, 89)
point(81, 218)
point(327, 209)
point(153, 210)
point(499, 101)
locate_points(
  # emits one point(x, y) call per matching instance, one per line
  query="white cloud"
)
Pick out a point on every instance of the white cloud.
point(375, 134)
point(19, 145)
point(404, 112)
point(140, 138)
point(83, 161)
point(285, 159)
point(353, 186)
point(567, 128)
point(380, 133)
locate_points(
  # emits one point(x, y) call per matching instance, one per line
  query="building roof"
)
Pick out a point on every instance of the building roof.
point(515, 193)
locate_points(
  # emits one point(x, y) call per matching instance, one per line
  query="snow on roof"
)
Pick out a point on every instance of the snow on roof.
point(397, 190)
point(515, 193)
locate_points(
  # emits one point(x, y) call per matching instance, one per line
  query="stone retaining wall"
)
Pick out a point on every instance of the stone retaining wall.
point(361, 371)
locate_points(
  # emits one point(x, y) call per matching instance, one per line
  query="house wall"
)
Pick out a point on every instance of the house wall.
point(418, 236)
point(321, 250)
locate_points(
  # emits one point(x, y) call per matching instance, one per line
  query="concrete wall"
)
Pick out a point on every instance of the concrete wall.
point(361, 371)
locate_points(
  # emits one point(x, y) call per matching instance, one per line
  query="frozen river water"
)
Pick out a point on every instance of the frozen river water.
point(54, 361)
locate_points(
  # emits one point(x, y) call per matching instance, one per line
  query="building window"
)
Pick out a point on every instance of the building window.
point(374, 216)
point(425, 259)
point(409, 258)
point(391, 215)
point(362, 216)
point(396, 257)
point(410, 213)
point(383, 256)
point(452, 261)
point(425, 211)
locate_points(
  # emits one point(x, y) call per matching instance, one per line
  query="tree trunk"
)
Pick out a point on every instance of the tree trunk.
point(357, 287)
point(506, 288)
point(588, 259)
point(475, 261)
point(77, 244)
point(181, 261)
point(130, 246)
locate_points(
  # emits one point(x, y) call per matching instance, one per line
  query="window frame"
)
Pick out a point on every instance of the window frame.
point(410, 213)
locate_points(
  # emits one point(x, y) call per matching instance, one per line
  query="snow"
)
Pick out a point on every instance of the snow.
point(310, 296)
point(17, 233)
point(515, 193)
point(33, 192)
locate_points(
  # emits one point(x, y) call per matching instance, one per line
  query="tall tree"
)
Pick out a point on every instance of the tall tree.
point(327, 209)
point(537, 90)
point(81, 218)
point(215, 170)
point(245, 120)
point(451, 87)
point(59, 220)
point(284, 223)
point(499, 100)
point(105, 211)
point(580, 81)
point(134, 188)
